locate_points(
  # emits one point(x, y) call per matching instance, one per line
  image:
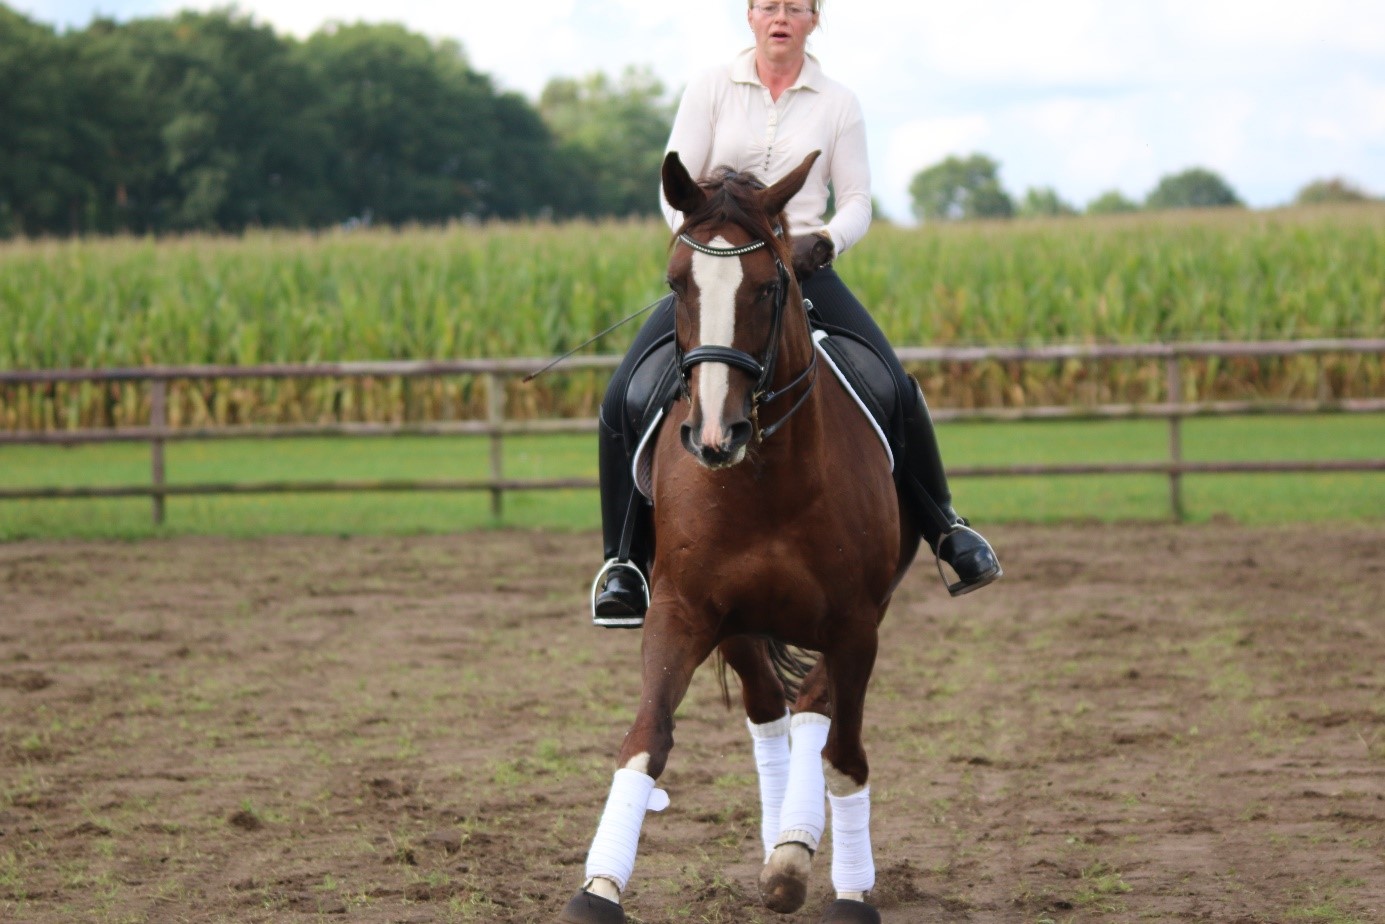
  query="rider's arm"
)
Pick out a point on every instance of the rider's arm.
point(850, 180)
point(692, 134)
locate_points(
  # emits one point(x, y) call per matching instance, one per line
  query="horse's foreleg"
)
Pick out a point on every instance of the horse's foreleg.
point(670, 656)
point(784, 878)
point(847, 776)
point(767, 718)
point(790, 843)
point(770, 741)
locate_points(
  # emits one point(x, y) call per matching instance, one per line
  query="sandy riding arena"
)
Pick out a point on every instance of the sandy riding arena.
point(1141, 723)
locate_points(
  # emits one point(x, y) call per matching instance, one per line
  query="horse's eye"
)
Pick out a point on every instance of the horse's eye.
point(767, 291)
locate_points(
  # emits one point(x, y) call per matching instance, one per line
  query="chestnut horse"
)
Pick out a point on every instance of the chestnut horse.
point(776, 522)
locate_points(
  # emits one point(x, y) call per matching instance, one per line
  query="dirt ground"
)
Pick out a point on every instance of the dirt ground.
point(1140, 722)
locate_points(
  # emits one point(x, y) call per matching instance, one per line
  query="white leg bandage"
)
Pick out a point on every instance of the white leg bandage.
point(853, 865)
point(612, 854)
point(771, 742)
point(804, 815)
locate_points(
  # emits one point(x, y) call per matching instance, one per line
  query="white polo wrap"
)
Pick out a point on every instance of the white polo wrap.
point(612, 854)
point(805, 812)
point(771, 743)
point(853, 864)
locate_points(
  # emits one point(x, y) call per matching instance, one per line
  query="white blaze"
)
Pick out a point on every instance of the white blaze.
point(717, 279)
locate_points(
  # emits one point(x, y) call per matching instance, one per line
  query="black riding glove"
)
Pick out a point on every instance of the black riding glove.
point(811, 252)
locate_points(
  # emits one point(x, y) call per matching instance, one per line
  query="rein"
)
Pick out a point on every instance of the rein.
point(762, 369)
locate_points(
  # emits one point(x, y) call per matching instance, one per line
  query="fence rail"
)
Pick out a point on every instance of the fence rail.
point(496, 427)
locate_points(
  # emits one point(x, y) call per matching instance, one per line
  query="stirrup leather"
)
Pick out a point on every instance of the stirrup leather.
point(599, 583)
point(961, 587)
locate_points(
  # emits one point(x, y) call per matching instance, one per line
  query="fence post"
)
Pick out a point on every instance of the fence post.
point(1173, 372)
point(495, 415)
point(158, 419)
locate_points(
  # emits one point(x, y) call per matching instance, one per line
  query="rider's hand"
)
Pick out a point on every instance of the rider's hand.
point(811, 252)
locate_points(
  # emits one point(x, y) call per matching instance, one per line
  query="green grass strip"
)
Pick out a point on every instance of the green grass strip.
point(1251, 498)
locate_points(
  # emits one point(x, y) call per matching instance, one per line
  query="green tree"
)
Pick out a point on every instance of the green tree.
point(959, 188)
point(1333, 191)
point(419, 135)
point(1044, 202)
point(1196, 188)
point(197, 122)
point(1111, 202)
point(529, 176)
point(213, 121)
point(42, 186)
point(611, 137)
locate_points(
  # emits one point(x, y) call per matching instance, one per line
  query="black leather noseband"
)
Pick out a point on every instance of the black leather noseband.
point(761, 369)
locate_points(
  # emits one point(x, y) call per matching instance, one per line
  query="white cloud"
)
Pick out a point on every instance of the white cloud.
point(1083, 95)
point(913, 146)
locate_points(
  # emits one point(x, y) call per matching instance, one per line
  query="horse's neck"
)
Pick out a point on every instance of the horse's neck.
point(791, 364)
point(797, 353)
point(796, 347)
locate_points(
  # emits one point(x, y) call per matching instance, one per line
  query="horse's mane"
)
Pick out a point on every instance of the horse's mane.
point(732, 199)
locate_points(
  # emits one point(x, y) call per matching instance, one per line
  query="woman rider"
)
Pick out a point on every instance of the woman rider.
point(763, 113)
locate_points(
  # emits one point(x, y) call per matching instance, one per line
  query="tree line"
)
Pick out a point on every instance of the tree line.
point(214, 122)
point(960, 188)
point(211, 121)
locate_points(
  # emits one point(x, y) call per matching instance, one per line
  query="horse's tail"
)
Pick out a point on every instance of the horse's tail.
point(790, 665)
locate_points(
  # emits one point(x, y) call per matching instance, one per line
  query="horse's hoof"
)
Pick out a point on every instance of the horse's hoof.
point(845, 911)
point(782, 893)
point(784, 878)
point(586, 908)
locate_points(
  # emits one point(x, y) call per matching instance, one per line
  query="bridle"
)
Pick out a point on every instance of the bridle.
point(762, 369)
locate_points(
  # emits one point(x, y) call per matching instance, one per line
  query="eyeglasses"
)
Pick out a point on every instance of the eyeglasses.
point(795, 10)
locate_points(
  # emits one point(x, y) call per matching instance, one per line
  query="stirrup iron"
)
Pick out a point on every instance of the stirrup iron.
point(597, 585)
point(961, 587)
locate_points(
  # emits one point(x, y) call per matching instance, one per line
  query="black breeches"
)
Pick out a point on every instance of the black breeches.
point(834, 304)
point(658, 326)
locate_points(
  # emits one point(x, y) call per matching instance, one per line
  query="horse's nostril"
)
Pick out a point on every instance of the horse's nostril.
point(739, 435)
point(716, 458)
point(689, 437)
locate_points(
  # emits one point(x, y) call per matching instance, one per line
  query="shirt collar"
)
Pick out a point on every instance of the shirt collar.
point(743, 71)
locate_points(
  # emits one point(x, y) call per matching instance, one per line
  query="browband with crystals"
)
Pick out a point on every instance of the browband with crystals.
point(726, 251)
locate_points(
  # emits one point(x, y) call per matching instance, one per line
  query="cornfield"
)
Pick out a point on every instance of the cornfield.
point(534, 290)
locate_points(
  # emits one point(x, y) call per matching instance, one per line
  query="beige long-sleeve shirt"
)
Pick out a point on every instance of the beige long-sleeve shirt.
point(727, 118)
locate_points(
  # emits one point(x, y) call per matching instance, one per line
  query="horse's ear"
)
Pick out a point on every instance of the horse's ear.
point(680, 189)
point(777, 196)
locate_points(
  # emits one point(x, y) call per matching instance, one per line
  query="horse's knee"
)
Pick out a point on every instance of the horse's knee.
point(638, 762)
point(647, 750)
point(846, 772)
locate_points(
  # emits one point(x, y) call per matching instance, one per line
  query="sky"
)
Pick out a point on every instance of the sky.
point(1084, 96)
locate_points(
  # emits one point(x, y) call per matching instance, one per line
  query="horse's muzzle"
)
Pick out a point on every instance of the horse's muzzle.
point(728, 453)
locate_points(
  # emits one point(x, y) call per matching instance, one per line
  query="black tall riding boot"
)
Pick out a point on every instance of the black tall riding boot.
point(946, 533)
point(620, 593)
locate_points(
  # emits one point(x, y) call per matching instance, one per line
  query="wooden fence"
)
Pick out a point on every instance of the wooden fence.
point(496, 426)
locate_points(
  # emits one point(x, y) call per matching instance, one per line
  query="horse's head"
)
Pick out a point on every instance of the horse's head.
point(728, 272)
